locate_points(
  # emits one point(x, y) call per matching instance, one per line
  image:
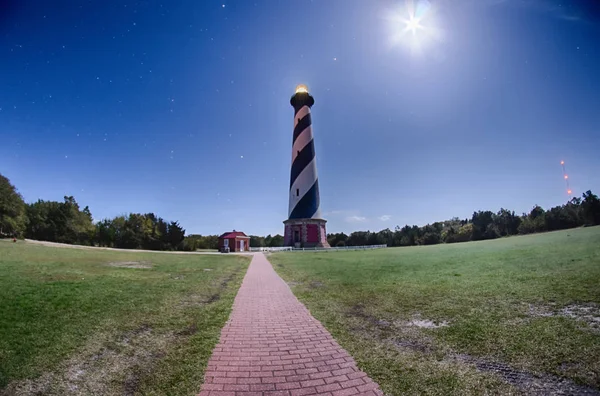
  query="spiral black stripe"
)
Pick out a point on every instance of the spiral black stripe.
point(302, 160)
point(304, 123)
point(308, 205)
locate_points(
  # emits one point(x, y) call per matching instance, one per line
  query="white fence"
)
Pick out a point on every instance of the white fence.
point(315, 249)
point(270, 249)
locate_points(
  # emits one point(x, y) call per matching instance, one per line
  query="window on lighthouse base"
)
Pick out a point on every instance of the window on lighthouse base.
point(297, 192)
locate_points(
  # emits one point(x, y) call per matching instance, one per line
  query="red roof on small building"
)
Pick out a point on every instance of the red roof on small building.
point(233, 234)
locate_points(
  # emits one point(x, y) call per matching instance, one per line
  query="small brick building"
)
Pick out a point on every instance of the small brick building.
point(236, 241)
point(305, 233)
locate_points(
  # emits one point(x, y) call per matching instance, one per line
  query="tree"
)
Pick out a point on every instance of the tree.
point(175, 234)
point(385, 237)
point(195, 242)
point(406, 236)
point(358, 238)
point(60, 222)
point(491, 231)
point(431, 234)
point(534, 221)
point(104, 235)
point(507, 222)
point(257, 241)
point(13, 217)
point(562, 217)
point(276, 241)
point(338, 239)
point(465, 233)
point(481, 220)
point(591, 208)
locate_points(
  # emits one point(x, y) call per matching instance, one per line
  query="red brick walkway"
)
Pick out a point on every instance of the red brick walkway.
point(271, 345)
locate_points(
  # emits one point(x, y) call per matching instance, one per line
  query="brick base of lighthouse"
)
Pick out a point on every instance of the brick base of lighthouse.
point(305, 233)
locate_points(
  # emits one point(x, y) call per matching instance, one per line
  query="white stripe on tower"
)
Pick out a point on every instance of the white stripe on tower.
point(303, 139)
point(302, 184)
point(300, 115)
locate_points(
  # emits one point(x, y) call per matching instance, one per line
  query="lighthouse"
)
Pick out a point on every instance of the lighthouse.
point(305, 226)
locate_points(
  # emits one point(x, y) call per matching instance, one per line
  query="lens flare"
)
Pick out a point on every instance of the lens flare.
point(413, 24)
point(566, 177)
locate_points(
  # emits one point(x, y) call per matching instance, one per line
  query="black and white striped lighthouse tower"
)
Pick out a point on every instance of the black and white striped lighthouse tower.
point(304, 226)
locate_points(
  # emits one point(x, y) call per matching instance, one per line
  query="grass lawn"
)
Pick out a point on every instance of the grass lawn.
point(494, 317)
point(85, 321)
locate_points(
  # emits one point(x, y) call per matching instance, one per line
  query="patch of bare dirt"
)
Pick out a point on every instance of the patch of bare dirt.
point(423, 323)
point(188, 331)
point(130, 264)
point(195, 299)
point(588, 313)
point(397, 334)
point(316, 284)
point(529, 383)
point(110, 366)
point(406, 337)
point(213, 298)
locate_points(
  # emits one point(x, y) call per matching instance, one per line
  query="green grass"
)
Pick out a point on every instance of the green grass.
point(70, 321)
point(491, 293)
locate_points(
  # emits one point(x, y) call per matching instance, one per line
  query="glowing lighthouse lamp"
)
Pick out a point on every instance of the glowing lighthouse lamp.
point(304, 227)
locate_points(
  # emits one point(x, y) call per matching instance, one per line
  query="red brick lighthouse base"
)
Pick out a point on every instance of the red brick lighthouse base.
point(304, 227)
point(305, 233)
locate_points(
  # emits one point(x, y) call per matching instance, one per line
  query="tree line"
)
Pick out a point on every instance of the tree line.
point(66, 222)
point(482, 225)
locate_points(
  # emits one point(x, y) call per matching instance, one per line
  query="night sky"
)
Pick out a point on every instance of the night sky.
point(181, 108)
